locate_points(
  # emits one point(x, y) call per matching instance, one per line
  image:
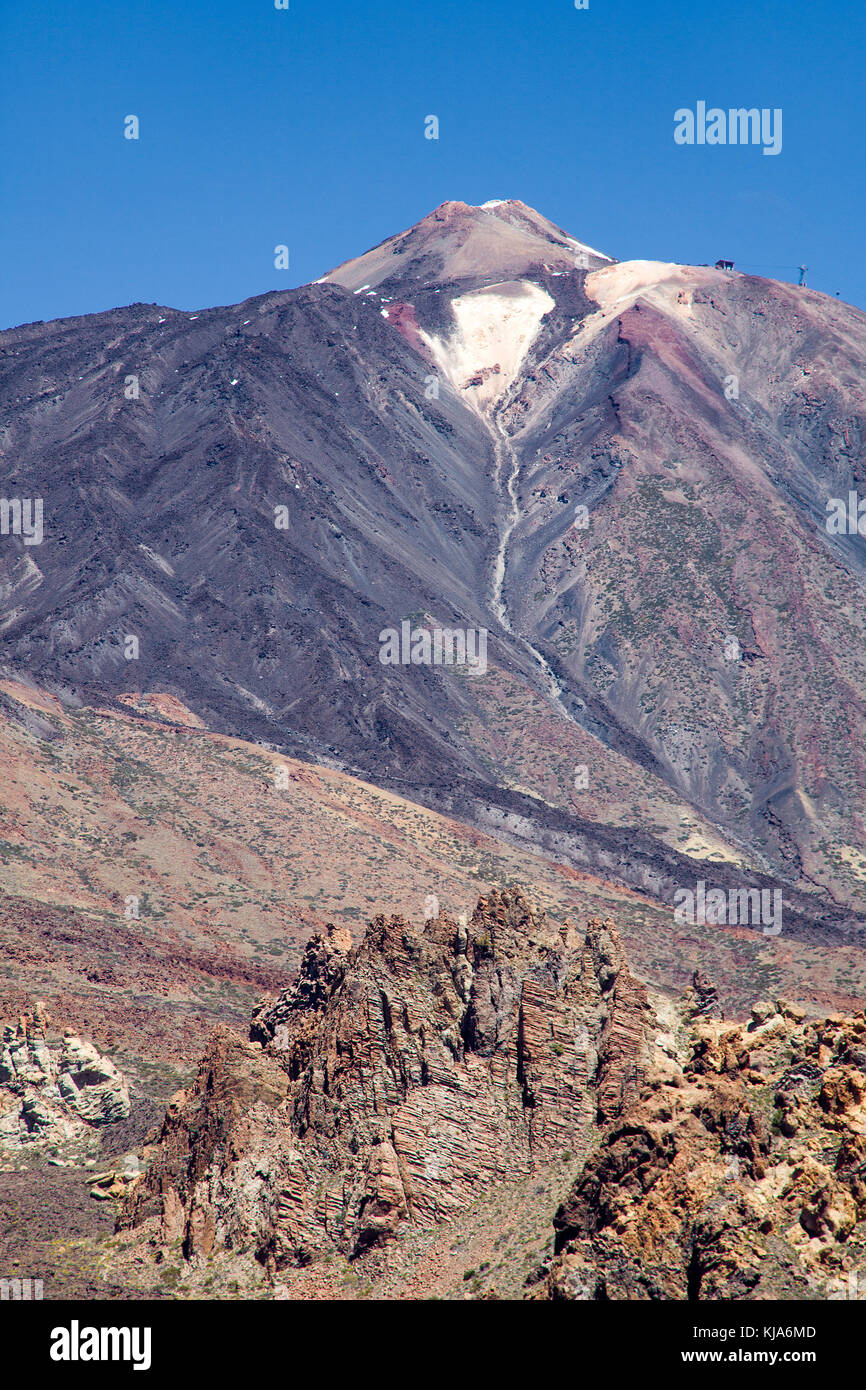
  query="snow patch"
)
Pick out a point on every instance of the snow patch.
point(584, 250)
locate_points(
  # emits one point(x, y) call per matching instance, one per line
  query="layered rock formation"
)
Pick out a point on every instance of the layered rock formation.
point(412, 1079)
point(55, 1094)
point(395, 1082)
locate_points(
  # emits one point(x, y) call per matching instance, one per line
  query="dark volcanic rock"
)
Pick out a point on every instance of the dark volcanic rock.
point(424, 425)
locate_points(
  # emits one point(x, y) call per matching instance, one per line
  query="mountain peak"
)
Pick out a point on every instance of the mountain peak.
point(502, 239)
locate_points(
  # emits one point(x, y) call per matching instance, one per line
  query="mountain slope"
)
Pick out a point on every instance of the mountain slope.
point(705, 605)
point(413, 439)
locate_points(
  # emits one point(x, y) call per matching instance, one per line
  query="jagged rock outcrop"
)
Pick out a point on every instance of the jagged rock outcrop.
point(703, 997)
point(400, 1082)
point(396, 1081)
point(54, 1093)
point(738, 1172)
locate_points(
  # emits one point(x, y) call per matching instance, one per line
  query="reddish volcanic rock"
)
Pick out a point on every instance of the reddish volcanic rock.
point(395, 1081)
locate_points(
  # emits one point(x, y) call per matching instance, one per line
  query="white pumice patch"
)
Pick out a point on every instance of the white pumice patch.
point(495, 328)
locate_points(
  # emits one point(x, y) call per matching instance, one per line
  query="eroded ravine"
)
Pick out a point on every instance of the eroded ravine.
point(493, 330)
point(506, 459)
point(507, 466)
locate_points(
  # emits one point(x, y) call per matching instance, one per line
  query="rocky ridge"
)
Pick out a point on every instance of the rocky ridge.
point(396, 1080)
point(399, 1084)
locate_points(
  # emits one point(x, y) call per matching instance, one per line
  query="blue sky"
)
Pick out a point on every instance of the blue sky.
point(305, 127)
